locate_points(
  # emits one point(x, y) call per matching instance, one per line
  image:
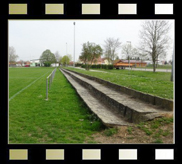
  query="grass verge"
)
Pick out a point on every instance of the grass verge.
point(157, 83)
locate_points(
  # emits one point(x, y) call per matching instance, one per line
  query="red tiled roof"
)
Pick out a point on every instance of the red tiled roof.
point(132, 61)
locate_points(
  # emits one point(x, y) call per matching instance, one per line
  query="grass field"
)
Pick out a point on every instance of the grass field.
point(19, 78)
point(64, 118)
point(157, 83)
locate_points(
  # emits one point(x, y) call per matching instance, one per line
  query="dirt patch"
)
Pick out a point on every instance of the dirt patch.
point(154, 131)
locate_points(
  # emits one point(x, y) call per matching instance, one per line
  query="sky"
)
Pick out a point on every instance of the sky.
point(31, 37)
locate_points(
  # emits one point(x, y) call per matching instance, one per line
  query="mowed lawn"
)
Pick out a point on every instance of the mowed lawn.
point(19, 78)
point(157, 83)
point(64, 118)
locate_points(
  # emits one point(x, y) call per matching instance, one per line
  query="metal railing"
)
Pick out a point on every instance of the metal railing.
point(49, 80)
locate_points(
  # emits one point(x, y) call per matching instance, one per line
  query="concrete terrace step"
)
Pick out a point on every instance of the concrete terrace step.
point(108, 117)
point(127, 108)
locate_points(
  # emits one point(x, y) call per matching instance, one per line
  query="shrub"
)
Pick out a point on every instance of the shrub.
point(99, 66)
point(110, 66)
point(83, 65)
point(78, 65)
point(47, 64)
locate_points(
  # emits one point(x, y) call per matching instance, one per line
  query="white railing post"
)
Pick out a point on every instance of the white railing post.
point(50, 77)
point(46, 88)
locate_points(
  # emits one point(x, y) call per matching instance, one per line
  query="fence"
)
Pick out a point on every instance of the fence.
point(50, 79)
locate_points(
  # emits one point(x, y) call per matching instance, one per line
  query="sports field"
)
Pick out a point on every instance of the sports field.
point(64, 118)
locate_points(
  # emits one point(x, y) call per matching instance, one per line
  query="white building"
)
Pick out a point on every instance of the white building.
point(35, 63)
point(55, 65)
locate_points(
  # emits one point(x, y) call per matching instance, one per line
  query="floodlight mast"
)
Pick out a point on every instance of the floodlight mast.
point(172, 71)
point(129, 53)
point(74, 45)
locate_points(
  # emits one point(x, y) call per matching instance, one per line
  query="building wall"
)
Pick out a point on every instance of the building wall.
point(141, 64)
point(32, 65)
point(55, 65)
point(138, 64)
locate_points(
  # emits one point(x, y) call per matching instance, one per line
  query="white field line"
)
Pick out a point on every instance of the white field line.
point(25, 87)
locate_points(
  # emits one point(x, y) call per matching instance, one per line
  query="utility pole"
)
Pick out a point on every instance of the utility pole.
point(129, 53)
point(66, 54)
point(172, 65)
point(74, 45)
point(66, 48)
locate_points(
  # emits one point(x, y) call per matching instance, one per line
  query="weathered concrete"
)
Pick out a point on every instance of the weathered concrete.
point(112, 107)
point(102, 111)
point(165, 104)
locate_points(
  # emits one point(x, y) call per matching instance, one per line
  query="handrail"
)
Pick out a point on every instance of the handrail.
point(50, 77)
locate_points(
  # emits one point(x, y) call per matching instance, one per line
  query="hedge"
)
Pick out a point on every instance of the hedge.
point(99, 66)
point(47, 64)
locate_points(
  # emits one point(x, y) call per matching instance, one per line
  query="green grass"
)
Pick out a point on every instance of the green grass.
point(158, 141)
point(154, 128)
point(64, 118)
point(21, 77)
point(150, 66)
point(110, 131)
point(130, 130)
point(157, 83)
point(160, 66)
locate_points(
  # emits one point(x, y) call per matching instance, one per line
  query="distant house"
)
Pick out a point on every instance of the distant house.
point(35, 63)
point(117, 61)
point(71, 63)
point(26, 64)
point(148, 62)
point(20, 63)
point(137, 63)
point(161, 62)
point(121, 64)
point(105, 61)
point(12, 64)
point(98, 61)
point(55, 65)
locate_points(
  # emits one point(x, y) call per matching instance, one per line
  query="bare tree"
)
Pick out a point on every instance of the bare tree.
point(111, 46)
point(12, 54)
point(57, 56)
point(141, 55)
point(154, 39)
point(129, 51)
point(126, 50)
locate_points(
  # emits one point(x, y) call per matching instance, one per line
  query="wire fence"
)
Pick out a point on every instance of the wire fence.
point(49, 80)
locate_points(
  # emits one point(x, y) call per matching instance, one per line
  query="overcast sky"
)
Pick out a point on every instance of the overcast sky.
point(31, 37)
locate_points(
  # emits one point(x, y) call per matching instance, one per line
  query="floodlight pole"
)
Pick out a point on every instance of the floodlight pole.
point(74, 45)
point(129, 53)
point(66, 48)
point(66, 54)
point(172, 65)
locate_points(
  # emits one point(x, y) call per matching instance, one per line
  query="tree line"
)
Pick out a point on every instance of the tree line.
point(46, 58)
point(154, 44)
